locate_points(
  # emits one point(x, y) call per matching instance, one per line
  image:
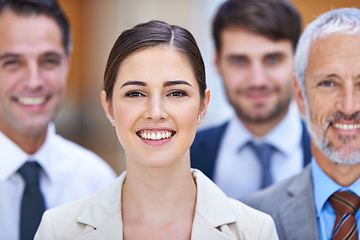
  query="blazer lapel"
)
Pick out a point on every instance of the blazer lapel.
point(103, 214)
point(213, 211)
point(202, 229)
point(111, 229)
point(298, 211)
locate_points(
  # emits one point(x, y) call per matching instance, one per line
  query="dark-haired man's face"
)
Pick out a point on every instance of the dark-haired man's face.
point(33, 72)
point(257, 75)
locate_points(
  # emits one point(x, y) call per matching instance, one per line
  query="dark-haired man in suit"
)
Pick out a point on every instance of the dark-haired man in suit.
point(266, 141)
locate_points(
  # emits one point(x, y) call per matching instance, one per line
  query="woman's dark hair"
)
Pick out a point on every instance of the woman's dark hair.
point(49, 8)
point(151, 34)
point(274, 19)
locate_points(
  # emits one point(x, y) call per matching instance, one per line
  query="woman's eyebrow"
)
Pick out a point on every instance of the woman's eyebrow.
point(136, 83)
point(176, 82)
point(166, 84)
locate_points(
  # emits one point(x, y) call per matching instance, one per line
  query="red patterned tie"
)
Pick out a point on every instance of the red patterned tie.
point(345, 204)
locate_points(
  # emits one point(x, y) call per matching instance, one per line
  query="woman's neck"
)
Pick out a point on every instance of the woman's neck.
point(158, 189)
point(158, 198)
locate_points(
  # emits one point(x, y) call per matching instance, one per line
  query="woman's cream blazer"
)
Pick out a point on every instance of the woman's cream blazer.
point(217, 217)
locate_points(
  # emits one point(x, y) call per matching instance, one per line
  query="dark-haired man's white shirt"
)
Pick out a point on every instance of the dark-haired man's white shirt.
point(238, 171)
point(68, 172)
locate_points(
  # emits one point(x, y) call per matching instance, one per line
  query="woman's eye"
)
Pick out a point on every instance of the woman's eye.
point(134, 94)
point(177, 94)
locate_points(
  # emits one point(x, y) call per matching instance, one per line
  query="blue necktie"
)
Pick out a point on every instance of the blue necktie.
point(264, 152)
point(32, 203)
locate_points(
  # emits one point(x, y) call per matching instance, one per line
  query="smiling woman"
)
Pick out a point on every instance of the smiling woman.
point(157, 103)
point(155, 95)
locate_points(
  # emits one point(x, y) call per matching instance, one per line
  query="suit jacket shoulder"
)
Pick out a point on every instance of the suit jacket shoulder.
point(204, 150)
point(291, 205)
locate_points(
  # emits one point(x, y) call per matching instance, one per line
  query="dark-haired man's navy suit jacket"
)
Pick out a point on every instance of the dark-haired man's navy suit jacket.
point(204, 150)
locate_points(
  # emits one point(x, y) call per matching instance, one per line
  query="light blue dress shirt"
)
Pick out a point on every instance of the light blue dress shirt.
point(238, 172)
point(324, 187)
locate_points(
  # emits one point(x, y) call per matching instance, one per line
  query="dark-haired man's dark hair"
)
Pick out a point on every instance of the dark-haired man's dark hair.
point(49, 8)
point(274, 19)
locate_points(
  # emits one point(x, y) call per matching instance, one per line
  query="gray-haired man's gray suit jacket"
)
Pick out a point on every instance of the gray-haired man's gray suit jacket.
point(291, 205)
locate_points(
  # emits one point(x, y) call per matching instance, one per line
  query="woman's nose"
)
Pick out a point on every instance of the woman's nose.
point(155, 109)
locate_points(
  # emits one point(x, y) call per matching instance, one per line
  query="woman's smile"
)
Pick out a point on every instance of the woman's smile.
point(155, 135)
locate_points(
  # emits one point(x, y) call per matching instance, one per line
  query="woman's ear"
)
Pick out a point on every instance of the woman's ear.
point(203, 106)
point(107, 107)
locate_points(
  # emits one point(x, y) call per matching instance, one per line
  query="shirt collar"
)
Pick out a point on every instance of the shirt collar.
point(324, 186)
point(16, 157)
point(46, 152)
point(232, 132)
point(13, 157)
point(281, 138)
point(275, 137)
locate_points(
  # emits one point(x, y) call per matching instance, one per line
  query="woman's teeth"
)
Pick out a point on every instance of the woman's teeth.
point(156, 136)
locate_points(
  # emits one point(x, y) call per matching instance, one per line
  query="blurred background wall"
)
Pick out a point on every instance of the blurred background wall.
point(95, 26)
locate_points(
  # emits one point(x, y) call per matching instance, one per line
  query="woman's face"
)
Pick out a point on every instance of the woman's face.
point(156, 107)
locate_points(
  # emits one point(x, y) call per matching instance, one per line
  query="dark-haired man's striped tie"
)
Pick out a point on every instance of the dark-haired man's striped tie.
point(345, 204)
